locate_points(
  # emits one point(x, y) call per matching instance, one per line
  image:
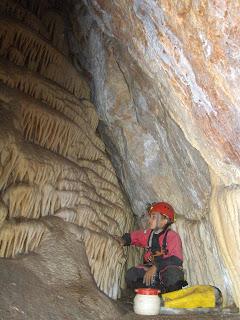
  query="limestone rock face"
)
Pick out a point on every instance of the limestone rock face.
point(55, 282)
point(165, 80)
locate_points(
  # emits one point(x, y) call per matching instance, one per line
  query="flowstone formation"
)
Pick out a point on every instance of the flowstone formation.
point(165, 78)
point(52, 161)
point(54, 282)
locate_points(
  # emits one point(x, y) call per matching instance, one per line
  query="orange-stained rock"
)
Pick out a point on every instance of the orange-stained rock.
point(165, 78)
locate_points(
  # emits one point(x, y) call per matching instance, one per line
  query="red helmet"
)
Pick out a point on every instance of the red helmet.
point(164, 209)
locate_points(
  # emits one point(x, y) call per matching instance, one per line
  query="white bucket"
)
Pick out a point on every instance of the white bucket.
point(146, 301)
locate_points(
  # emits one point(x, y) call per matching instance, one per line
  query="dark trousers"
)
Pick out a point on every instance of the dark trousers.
point(170, 279)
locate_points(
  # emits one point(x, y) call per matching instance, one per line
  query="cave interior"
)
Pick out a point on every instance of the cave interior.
point(107, 106)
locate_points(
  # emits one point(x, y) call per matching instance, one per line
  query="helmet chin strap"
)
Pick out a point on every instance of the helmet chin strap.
point(159, 229)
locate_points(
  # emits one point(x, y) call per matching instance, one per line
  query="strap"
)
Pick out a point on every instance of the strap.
point(164, 243)
point(150, 239)
point(171, 266)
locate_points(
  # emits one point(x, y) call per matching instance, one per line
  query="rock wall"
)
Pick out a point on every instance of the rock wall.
point(165, 77)
point(52, 161)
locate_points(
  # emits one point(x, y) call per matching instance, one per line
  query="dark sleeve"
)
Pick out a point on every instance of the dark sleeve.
point(162, 263)
point(127, 239)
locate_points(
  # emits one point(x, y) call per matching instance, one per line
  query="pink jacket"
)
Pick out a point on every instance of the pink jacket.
point(174, 244)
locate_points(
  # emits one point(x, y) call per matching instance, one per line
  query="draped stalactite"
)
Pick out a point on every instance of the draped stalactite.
point(19, 236)
point(52, 161)
point(11, 8)
point(80, 111)
point(39, 55)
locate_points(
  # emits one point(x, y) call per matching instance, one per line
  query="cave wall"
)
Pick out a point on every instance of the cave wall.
point(52, 160)
point(165, 80)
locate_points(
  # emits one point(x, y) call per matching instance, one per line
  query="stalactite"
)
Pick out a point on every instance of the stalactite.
point(17, 236)
point(30, 201)
point(35, 116)
point(52, 161)
point(41, 56)
point(50, 201)
point(8, 168)
point(12, 9)
point(106, 259)
point(56, 133)
point(91, 113)
point(68, 198)
point(3, 212)
point(68, 215)
point(48, 130)
point(54, 23)
point(103, 184)
point(34, 166)
point(94, 215)
point(54, 199)
point(22, 200)
point(86, 215)
point(15, 56)
point(52, 95)
point(225, 211)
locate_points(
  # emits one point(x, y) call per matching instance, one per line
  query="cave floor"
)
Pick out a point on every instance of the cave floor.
point(226, 314)
point(133, 316)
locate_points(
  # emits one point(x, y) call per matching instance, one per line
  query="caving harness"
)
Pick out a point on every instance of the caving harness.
point(154, 247)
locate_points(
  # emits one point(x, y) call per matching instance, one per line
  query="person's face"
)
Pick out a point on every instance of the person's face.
point(156, 220)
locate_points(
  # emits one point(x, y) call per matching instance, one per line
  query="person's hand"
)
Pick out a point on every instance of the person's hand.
point(157, 254)
point(119, 240)
point(148, 277)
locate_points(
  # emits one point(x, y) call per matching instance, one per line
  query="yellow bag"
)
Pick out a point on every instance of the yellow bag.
point(201, 296)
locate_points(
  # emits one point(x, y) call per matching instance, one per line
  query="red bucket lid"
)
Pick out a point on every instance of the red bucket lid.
point(147, 291)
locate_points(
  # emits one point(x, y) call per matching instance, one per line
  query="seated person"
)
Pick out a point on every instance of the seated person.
point(163, 258)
